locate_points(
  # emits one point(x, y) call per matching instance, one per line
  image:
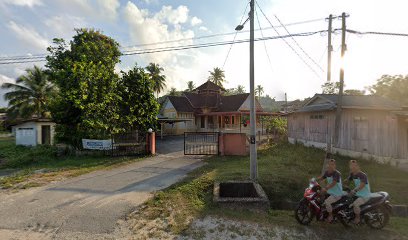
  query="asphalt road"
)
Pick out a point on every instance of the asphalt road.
point(93, 203)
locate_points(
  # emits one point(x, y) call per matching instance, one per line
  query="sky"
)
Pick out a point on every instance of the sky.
point(27, 27)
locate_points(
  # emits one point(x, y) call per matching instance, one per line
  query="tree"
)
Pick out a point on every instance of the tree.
point(217, 76)
point(259, 91)
point(354, 92)
point(84, 72)
point(392, 87)
point(331, 88)
point(30, 94)
point(3, 109)
point(240, 89)
point(190, 86)
point(159, 80)
point(173, 92)
point(138, 107)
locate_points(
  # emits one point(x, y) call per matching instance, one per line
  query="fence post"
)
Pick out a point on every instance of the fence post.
point(152, 143)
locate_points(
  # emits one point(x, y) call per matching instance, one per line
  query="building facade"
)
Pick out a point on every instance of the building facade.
point(207, 108)
point(371, 126)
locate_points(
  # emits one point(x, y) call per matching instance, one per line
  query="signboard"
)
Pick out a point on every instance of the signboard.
point(94, 144)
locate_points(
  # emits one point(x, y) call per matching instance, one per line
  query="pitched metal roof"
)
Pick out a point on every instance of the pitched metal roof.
point(350, 101)
point(209, 86)
point(232, 103)
point(181, 104)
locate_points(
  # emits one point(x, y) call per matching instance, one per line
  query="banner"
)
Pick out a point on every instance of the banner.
point(97, 144)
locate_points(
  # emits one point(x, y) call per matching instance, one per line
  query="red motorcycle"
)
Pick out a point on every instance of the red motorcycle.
point(312, 205)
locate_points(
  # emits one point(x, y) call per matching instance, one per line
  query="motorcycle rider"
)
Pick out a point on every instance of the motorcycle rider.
point(361, 190)
point(333, 188)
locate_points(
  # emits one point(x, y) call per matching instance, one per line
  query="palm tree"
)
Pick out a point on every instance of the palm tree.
point(159, 80)
point(190, 86)
point(217, 76)
point(240, 89)
point(173, 92)
point(259, 91)
point(30, 94)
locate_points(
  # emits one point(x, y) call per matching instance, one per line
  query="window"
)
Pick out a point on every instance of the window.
point(317, 116)
point(226, 119)
point(202, 122)
point(233, 120)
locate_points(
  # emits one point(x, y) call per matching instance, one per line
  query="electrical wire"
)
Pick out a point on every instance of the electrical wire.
point(195, 46)
point(235, 36)
point(288, 44)
point(294, 40)
point(377, 33)
point(264, 43)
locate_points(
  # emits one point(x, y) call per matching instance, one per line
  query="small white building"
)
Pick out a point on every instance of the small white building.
point(34, 132)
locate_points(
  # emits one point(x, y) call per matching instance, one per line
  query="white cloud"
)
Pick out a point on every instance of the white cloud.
point(5, 79)
point(196, 21)
point(173, 16)
point(108, 8)
point(28, 36)
point(148, 27)
point(204, 29)
point(64, 25)
point(25, 3)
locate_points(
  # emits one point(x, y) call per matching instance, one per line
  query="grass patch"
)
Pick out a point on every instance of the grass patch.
point(39, 165)
point(284, 171)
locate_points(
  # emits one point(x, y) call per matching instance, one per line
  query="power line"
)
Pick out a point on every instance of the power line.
point(236, 32)
point(287, 43)
point(266, 49)
point(377, 33)
point(34, 56)
point(294, 40)
point(195, 46)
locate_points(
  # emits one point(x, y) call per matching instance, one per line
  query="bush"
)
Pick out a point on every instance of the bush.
point(19, 156)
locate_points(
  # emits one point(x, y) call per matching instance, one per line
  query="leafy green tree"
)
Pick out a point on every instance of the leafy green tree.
point(84, 72)
point(240, 89)
point(190, 86)
point(354, 92)
point(159, 80)
point(138, 106)
point(173, 92)
point(3, 109)
point(217, 76)
point(259, 90)
point(331, 88)
point(392, 87)
point(30, 94)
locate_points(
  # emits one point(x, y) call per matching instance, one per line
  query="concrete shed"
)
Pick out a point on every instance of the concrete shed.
point(34, 132)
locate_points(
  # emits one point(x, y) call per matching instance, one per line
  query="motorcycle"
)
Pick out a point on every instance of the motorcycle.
point(375, 213)
point(312, 205)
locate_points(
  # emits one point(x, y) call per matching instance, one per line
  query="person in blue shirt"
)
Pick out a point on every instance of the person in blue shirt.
point(361, 190)
point(333, 187)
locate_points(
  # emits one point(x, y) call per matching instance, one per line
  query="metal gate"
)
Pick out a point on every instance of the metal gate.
point(201, 143)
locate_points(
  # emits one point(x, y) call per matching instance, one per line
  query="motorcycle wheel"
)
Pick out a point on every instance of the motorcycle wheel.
point(377, 218)
point(303, 214)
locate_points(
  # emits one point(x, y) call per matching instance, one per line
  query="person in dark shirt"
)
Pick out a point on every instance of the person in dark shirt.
point(333, 187)
point(361, 190)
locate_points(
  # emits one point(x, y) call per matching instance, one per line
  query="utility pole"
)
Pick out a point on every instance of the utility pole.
point(329, 48)
point(329, 57)
point(253, 153)
point(286, 103)
point(340, 96)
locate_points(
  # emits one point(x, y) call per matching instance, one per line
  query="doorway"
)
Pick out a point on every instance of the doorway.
point(46, 134)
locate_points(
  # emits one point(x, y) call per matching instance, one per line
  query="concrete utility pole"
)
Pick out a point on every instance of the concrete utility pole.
point(253, 153)
point(329, 48)
point(340, 96)
point(329, 57)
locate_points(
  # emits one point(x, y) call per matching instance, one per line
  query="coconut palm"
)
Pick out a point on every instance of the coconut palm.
point(190, 86)
point(217, 76)
point(259, 91)
point(240, 89)
point(30, 94)
point(155, 72)
point(173, 92)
